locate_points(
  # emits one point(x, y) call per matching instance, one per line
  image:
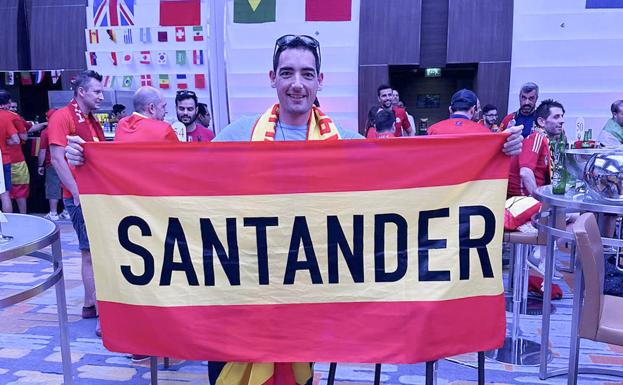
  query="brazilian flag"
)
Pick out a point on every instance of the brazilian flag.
point(254, 11)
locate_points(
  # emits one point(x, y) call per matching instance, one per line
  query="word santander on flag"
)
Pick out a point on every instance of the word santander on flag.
point(180, 12)
point(251, 246)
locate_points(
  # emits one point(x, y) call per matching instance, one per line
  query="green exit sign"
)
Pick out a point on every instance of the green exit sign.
point(432, 72)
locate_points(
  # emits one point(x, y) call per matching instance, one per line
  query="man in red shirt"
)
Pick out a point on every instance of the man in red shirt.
point(386, 97)
point(464, 105)
point(531, 168)
point(8, 136)
point(77, 119)
point(146, 123)
point(186, 106)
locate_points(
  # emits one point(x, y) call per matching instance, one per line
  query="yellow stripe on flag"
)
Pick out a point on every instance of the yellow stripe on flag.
point(156, 212)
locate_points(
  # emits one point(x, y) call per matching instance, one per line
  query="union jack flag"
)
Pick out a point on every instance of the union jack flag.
point(113, 12)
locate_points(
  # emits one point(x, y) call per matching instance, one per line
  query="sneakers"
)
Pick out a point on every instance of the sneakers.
point(139, 357)
point(51, 216)
point(65, 215)
point(89, 312)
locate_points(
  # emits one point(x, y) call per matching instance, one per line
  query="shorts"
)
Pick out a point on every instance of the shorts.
point(75, 212)
point(20, 180)
point(52, 184)
point(6, 168)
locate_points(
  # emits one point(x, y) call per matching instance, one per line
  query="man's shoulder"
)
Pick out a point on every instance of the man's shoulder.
point(62, 116)
point(237, 131)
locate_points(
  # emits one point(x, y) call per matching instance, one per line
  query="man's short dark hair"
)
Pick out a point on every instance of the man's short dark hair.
point(83, 78)
point(384, 120)
point(488, 107)
point(118, 108)
point(616, 107)
point(5, 97)
point(185, 94)
point(463, 100)
point(299, 42)
point(381, 88)
point(543, 110)
point(202, 109)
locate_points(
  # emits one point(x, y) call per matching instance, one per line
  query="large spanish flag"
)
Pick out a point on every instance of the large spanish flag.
point(350, 251)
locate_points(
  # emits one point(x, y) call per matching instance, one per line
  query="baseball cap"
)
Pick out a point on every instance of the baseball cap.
point(463, 100)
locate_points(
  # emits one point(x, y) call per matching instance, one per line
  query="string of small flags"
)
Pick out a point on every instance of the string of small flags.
point(28, 78)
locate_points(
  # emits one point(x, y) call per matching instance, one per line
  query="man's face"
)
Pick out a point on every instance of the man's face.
point(618, 116)
point(395, 97)
point(386, 97)
point(186, 111)
point(204, 119)
point(92, 94)
point(13, 106)
point(554, 122)
point(491, 117)
point(160, 109)
point(527, 102)
point(296, 81)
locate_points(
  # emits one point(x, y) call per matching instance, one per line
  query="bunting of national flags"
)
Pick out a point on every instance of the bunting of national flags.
point(145, 35)
point(28, 78)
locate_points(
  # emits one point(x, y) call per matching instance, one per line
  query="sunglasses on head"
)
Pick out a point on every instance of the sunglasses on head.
point(289, 40)
point(186, 92)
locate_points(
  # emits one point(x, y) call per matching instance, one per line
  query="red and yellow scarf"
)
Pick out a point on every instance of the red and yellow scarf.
point(87, 127)
point(319, 126)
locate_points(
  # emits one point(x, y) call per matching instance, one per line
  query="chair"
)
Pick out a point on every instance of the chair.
point(596, 316)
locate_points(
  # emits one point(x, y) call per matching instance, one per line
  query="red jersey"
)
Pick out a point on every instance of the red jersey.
point(15, 150)
point(457, 125)
point(7, 130)
point(140, 128)
point(402, 121)
point(60, 125)
point(372, 134)
point(200, 134)
point(44, 144)
point(535, 156)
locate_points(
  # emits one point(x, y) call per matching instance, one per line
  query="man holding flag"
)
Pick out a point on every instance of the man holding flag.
point(297, 78)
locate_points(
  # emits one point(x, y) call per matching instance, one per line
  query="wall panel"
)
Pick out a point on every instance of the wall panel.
point(488, 85)
point(479, 30)
point(57, 34)
point(434, 40)
point(390, 32)
point(8, 31)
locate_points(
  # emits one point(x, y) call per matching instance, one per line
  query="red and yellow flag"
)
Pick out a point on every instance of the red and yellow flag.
point(385, 251)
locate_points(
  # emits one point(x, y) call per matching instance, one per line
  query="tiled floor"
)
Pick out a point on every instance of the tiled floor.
point(30, 353)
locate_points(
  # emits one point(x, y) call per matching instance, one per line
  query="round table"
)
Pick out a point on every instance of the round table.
point(573, 201)
point(26, 235)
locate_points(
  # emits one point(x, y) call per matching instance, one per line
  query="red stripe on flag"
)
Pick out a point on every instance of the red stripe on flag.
point(240, 168)
point(354, 332)
point(112, 13)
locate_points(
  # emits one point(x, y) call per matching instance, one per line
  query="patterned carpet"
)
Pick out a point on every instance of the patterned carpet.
point(30, 352)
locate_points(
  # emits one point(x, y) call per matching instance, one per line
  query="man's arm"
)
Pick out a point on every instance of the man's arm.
point(406, 124)
point(608, 140)
point(527, 179)
point(41, 161)
point(57, 155)
point(37, 127)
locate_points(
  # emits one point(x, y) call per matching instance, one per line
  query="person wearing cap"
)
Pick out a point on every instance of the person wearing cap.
point(464, 105)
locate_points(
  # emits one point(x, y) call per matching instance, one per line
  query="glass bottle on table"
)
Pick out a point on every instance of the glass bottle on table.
point(559, 174)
